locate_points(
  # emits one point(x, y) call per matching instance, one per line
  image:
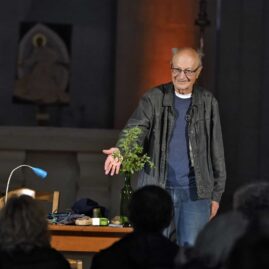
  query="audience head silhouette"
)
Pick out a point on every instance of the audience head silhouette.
point(23, 225)
point(251, 250)
point(150, 209)
point(24, 237)
point(216, 240)
point(252, 198)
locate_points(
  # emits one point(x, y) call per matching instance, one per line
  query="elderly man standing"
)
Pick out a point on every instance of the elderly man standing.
point(181, 132)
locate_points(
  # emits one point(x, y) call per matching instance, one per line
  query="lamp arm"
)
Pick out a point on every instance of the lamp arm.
point(10, 175)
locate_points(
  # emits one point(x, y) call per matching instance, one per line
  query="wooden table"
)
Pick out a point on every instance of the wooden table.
point(85, 238)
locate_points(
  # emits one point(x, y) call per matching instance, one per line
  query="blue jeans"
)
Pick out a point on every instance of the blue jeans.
point(190, 215)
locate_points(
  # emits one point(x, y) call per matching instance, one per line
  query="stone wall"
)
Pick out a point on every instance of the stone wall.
point(73, 159)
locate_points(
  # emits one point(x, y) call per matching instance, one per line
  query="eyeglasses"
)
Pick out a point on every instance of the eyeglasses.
point(187, 72)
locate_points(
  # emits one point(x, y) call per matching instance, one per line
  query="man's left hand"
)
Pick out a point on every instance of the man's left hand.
point(214, 209)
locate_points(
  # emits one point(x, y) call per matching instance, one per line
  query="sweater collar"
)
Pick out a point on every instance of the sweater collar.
point(169, 95)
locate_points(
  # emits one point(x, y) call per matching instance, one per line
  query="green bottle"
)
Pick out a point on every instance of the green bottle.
point(126, 194)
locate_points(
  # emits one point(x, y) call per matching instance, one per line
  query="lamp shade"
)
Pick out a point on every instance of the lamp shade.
point(38, 171)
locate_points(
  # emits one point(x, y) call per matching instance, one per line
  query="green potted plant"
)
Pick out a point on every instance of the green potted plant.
point(132, 160)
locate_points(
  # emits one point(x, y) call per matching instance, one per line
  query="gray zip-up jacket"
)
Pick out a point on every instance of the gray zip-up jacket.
point(155, 115)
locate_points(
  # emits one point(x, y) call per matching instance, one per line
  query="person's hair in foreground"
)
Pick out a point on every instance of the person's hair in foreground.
point(252, 198)
point(24, 237)
point(23, 225)
point(151, 209)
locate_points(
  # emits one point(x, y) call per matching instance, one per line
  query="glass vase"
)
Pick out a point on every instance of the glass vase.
point(126, 194)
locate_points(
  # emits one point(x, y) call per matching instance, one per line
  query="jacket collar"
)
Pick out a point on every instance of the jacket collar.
point(196, 95)
point(168, 90)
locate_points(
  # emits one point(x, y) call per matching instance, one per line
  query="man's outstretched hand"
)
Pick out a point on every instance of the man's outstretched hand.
point(112, 165)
